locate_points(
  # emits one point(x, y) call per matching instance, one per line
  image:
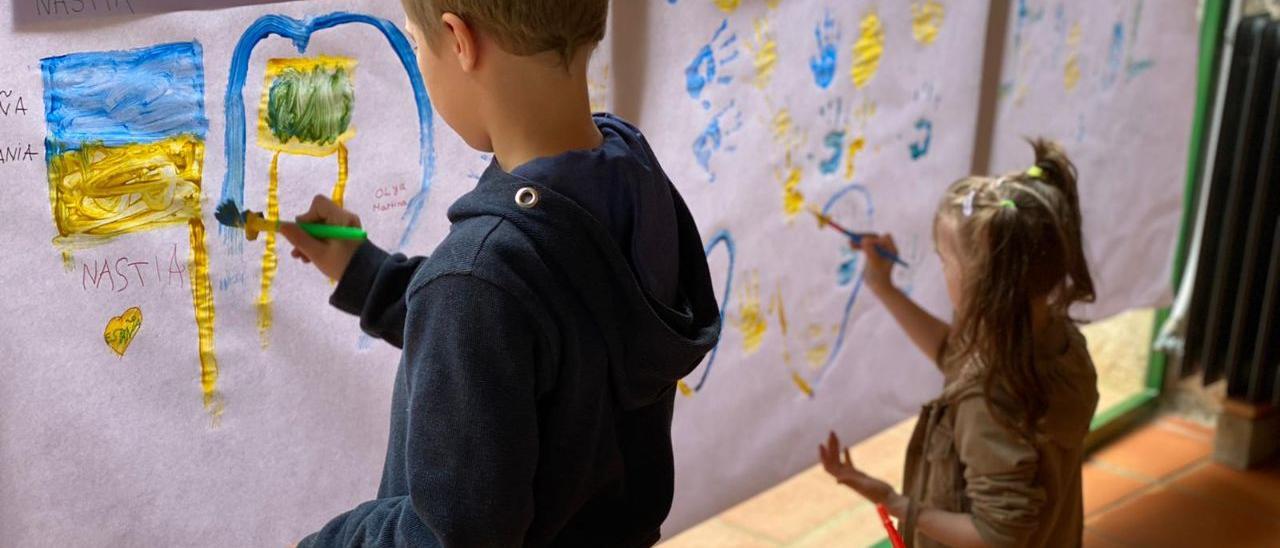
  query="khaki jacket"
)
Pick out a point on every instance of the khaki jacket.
point(1019, 493)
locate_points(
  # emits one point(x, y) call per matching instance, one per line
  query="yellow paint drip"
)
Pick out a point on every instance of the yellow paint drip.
point(867, 50)
point(727, 6)
point(269, 261)
point(802, 384)
point(855, 146)
point(202, 299)
point(340, 187)
point(765, 53)
point(684, 388)
point(926, 20)
point(772, 4)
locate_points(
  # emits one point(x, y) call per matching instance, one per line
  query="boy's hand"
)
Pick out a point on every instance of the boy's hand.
point(330, 256)
point(879, 270)
point(839, 464)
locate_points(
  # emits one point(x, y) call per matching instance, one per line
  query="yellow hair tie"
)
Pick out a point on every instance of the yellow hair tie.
point(1035, 172)
point(1008, 204)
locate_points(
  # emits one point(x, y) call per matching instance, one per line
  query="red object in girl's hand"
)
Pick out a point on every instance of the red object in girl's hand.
point(894, 537)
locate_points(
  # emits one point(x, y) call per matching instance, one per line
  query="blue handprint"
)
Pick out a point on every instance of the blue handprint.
point(705, 68)
point(834, 139)
point(712, 138)
point(921, 147)
point(823, 63)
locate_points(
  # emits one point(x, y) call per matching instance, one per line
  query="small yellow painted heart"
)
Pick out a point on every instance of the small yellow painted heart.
point(121, 330)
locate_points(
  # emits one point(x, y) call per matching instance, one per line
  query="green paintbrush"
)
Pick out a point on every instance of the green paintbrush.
point(253, 223)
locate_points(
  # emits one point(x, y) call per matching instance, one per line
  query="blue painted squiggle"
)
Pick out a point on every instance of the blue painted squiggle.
point(857, 286)
point(120, 98)
point(725, 238)
point(300, 31)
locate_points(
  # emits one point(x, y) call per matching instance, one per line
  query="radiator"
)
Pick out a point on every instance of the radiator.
point(1233, 327)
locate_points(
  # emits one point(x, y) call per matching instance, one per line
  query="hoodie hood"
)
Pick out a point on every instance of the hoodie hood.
point(651, 342)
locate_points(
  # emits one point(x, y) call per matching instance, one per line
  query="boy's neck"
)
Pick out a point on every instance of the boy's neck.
point(538, 110)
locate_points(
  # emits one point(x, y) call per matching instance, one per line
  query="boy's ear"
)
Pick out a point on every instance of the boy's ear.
point(460, 41)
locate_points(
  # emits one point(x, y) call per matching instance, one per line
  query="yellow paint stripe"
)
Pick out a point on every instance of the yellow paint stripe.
point(269, 261)
point(202, 299)
point(340, 187)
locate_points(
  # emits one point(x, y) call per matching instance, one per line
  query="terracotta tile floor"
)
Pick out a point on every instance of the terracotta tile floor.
point(1154, 487)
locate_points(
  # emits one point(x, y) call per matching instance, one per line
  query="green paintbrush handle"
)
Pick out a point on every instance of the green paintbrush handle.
point(333, 232)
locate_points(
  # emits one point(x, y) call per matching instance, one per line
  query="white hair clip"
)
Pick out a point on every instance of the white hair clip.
point(967, 206)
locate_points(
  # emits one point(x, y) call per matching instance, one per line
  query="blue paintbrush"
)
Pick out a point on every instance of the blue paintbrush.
point(855, 237)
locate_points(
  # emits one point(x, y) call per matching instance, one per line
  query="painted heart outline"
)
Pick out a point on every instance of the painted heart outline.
point(300, 32)
point(121, 330)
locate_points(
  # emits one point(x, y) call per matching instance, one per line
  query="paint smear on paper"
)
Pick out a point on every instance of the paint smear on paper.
point(817, 355)
point(751, 319)
point(684, 388)
point(867, 50)
point(1071, 72)
point(764, 53)
point(802, 384)
point(855, 146)
point(307, 105)
point(782, 125)
point(926, 20)
point(792, 197)
point(727, 6)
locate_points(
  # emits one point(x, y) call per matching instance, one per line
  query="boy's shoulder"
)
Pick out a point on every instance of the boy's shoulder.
point(486, 247)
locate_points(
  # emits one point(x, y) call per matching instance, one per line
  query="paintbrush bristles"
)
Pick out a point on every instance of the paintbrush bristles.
point(823, 220)
point(228, 214)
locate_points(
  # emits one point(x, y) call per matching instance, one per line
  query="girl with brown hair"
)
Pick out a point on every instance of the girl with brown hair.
point(996, 459)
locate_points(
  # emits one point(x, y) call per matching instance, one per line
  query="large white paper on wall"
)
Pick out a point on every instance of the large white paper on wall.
point(1114, 82)
point(759, 111)
point(123, 297)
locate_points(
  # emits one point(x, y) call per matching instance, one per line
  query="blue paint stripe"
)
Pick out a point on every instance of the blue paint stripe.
point(125, 97)
point(722, 237)
point(300, 31)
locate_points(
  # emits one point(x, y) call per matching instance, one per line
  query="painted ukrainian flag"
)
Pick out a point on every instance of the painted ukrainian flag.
point(125, 153)
point(126, 140)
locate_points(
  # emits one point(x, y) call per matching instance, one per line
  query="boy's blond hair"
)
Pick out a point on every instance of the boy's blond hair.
point(521, 27)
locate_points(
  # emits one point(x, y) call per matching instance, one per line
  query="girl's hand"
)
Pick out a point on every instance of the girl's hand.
point(878, 273)
point(839, 464)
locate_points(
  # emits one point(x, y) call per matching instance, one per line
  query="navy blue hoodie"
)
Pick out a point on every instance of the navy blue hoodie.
point(542, 344)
